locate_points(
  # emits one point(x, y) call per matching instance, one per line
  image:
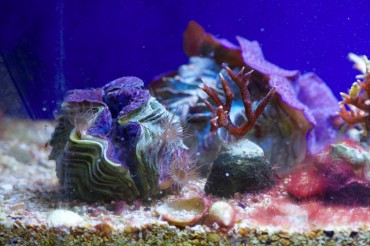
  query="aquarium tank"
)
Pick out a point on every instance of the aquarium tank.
point(184, 122)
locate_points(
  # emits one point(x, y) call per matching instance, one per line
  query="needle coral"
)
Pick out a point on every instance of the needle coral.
point(222, 113)
point(355, 106)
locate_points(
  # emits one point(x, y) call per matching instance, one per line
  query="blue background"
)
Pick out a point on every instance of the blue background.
point(81, 44)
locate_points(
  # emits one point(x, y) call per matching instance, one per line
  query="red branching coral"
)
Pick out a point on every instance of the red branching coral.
point(358, 98)
point(222, 113)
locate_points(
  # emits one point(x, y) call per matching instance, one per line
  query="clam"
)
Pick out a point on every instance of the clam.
point(111, 143)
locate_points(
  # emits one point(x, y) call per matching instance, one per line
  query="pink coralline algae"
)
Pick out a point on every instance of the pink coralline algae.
point(338, 174)
point(306, 183)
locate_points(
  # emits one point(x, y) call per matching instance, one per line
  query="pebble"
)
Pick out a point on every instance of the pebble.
point(17, 206)
point(21, 153)
point(6, 187)
point(61, 217)
point(221, 213)
point(104, 226)
point(3, 216)
point(214, 238)
point(97, 212)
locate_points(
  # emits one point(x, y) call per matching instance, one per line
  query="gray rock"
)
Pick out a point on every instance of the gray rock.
point(242, 167)
point(21, 153)
point(354, 155)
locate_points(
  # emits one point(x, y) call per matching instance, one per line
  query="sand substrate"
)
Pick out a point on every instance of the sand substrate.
point(29, 192)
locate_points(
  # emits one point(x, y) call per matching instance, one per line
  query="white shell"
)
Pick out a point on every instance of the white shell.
point(221, 213)
point(61, 217)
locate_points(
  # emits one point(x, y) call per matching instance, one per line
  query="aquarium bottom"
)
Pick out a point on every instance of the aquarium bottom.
point(29, 193)
point(170, 235)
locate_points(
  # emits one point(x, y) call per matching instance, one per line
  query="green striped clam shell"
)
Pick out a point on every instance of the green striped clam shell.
point(92, 163)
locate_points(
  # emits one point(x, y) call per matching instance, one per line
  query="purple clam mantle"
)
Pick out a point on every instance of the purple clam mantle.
point(91, 95)
point(124, 95)
point(253, 57)
point(323, 105)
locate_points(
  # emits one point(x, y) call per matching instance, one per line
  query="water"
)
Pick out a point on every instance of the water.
point(60, 81)
point(302, 169)
point(306, 37)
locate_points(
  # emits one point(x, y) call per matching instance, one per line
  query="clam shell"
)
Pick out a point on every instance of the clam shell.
point(110, 145)
point(183, 212)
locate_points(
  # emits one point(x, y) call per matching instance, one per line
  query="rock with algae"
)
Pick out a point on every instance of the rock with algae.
point(339, 174)
point(115, 142)
point(241, 167)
